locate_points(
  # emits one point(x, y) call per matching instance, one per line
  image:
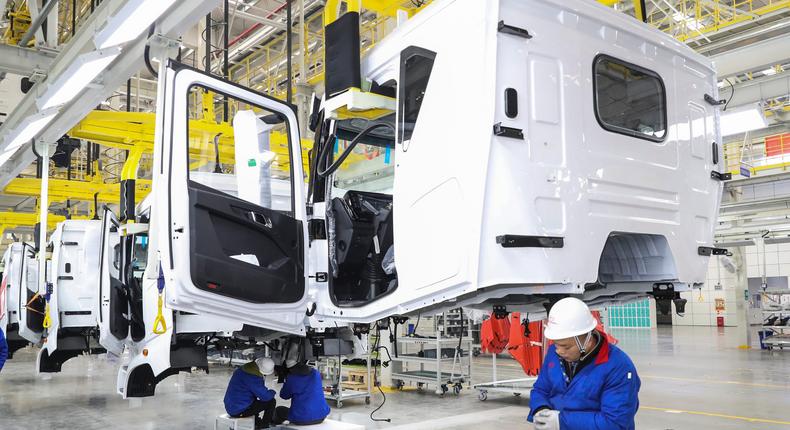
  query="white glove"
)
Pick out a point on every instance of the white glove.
point(547, 419)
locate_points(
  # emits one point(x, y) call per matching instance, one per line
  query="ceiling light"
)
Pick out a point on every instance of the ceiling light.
point(743, 119)
point(74, 79)
point(130, 21)
point(29, 129)
point(769, 72)
point(5, 156)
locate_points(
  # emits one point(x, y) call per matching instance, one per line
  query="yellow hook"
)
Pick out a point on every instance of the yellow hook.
point(160, 319)
point(47, 321)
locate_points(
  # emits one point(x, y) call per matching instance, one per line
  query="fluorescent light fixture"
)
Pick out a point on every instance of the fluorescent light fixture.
point(743, 119)
point(130, 21)
point(29, 129)
point(5, 156)
point(768, 72)
point(76, 77)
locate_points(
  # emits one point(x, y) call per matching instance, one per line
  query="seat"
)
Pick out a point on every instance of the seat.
point(226, 422)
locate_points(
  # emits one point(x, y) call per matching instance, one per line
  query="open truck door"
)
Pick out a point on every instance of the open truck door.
point(233, 234)
point(113, 301)
point(31, 303)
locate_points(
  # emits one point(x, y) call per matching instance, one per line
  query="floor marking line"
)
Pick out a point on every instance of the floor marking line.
point(712, 414)
point(716, 381)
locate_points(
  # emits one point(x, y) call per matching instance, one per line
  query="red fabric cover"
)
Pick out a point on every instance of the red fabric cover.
point(527, 350)
point(494, 335)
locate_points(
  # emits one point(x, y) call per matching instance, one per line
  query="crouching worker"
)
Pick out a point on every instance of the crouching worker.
point(247, 394)
point(303, 386)
point(585, 382)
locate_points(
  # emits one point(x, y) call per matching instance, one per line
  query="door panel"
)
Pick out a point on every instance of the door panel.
point(31, 306)
point(113, 302)
point(241, 230)
point(233, 242)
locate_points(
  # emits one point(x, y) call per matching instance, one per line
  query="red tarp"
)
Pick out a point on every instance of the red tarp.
point(527, 350)
point(494, 335)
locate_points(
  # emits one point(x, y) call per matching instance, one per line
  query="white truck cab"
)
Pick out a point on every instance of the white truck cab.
point(521, 151)
point(10, 290)
point(31, 303)
point(160, 341)
point(73, 294)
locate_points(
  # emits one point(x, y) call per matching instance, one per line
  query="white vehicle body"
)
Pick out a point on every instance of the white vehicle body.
point(560, 204)
point(31, 304)
point(128, 314)
point(11, 289)
point(74, 299)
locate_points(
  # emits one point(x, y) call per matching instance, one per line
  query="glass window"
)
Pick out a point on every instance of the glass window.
point(629, 99)
point(371, 164)
point(416, 66)
point(246, 156)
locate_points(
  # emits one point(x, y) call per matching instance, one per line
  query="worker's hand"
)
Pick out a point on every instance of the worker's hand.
point(547, 419)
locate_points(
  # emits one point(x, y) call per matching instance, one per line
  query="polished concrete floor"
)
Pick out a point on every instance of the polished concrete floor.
point(692, 378)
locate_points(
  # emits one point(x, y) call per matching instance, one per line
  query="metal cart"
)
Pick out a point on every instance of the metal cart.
point(336, 392)
point(459, 364)
point(517, 386)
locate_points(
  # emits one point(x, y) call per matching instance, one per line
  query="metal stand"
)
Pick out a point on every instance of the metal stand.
point(460, 373)
point(517, 386)
point(338, 394)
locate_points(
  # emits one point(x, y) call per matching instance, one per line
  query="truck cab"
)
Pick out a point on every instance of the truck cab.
point(482, 168)
point(74, 296)
point(10, 291)
point(31, 302)
point(160, 342)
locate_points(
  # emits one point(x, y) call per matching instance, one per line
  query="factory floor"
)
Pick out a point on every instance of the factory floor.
point(692, 378)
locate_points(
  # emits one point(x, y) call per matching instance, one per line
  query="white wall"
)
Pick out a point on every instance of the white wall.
point(701, 306)
point(774, 260)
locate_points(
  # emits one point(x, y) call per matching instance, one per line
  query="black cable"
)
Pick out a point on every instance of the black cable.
point(147, 53)
point(732, 93)
point(417, 324)
point(376, 347)
point(326, 152)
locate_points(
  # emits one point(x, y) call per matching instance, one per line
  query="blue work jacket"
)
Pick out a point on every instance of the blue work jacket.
point(303, 386)
point(604, 395)
point(3, 349)
point(244, 387)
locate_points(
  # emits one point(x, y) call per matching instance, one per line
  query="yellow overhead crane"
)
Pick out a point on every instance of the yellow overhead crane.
point(16, 219)
point(61, 190)
point(129, 130)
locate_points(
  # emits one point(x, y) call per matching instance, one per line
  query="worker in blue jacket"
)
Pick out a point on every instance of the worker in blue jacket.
point(585, 382)
point(247, 394)
point(304, 387)
point(3, 349)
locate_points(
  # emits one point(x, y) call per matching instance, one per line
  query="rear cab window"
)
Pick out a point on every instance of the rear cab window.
point(629, 99)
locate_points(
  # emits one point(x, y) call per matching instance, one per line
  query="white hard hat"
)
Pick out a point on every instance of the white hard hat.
point(265, 365)
point(568, 318)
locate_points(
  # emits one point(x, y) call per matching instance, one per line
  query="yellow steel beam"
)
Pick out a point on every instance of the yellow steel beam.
point(18, 219)
point(131, 130)
point(61, 190)
point(639, 12)
point(132, 163)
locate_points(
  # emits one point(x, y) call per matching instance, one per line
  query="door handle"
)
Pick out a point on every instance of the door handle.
point(259, 218)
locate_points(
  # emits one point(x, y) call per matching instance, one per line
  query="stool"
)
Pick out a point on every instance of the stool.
point(225, 422)
point(326, 425)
